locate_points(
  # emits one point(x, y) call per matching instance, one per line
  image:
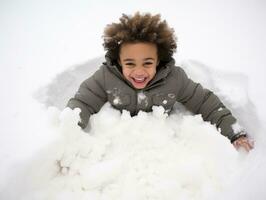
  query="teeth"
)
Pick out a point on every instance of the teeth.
point(139, 79)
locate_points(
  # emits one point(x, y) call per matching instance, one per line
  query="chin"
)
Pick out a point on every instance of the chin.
point(139, 86)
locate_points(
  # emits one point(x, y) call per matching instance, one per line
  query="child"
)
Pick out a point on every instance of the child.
point(140, 72)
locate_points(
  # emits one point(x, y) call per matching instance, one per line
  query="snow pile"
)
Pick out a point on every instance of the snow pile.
point(231, 88)
point(149, 156)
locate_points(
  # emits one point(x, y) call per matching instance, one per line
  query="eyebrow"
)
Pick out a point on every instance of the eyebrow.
point(130, 59)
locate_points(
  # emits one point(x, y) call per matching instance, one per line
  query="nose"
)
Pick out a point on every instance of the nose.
point(139, 71)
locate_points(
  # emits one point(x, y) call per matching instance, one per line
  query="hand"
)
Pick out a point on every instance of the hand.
point(244, 142)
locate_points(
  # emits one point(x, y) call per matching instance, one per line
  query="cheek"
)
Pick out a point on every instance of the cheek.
point(126, 72)
point(129, 72)
point(152, 72)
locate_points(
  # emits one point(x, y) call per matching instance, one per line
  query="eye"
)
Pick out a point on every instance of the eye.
point(130, 65)
point(148, 64)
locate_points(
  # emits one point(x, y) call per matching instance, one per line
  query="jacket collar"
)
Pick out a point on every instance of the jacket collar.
point(163, 70)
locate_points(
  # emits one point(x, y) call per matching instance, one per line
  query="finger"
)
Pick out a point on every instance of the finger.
point(243, 144)
point(251, 146)
point(252, 143)
point(237, 145)
point(247, 147)
point(249, 143)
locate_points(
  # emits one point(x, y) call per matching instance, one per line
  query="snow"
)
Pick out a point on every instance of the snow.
point(117, 101)
point(151, 155)
point(142, 99)
point(115, 92)
point(220, 109)
point(148, 156)
point(237, 128)
point(164, 101)
point(45, 155)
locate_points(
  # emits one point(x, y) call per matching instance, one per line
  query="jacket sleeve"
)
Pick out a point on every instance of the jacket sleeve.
point(90, 97)
point(203, 101)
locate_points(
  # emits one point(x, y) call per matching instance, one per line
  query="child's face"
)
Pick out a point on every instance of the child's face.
point(138, 61)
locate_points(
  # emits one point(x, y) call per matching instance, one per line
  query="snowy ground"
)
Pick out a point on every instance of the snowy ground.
point(44, 154)
point(149, 156)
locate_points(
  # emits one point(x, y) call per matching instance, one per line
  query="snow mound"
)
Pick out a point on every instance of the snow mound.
point(148, 156)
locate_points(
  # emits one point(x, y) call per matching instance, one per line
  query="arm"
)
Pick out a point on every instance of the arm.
point(203, 101)
point(90, 97)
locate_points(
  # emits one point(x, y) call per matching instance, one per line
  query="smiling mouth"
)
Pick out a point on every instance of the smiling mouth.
point(139, 80)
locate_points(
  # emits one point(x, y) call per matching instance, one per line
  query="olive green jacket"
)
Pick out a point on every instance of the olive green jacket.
point(169, 85)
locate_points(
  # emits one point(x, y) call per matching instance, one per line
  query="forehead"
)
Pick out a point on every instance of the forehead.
point(138, 50)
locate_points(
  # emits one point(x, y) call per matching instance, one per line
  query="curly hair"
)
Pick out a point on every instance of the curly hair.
point(140, 28)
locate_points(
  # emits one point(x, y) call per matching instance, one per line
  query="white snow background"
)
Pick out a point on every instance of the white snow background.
point(48, 48)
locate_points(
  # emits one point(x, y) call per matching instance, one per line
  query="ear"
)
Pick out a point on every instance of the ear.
point(158, 62)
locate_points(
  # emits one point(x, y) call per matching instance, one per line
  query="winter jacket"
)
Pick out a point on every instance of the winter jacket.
point(170, 85)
